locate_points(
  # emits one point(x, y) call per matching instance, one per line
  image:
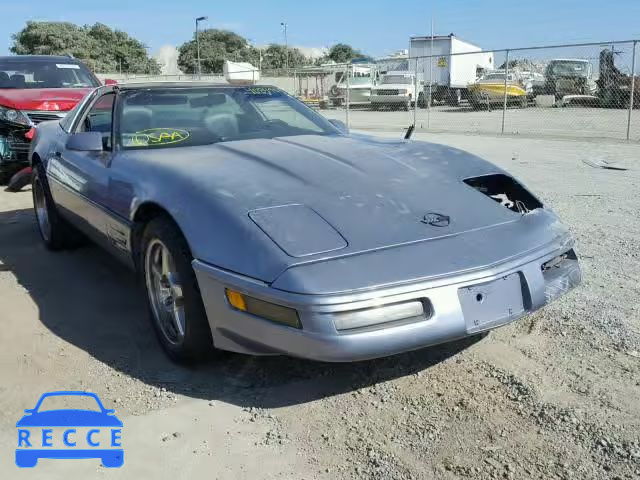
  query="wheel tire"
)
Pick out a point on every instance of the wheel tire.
point(196, 343)
point(19, 180)
point(55, 232)
point(5, 175)
point(455, 97)
point(421, 101)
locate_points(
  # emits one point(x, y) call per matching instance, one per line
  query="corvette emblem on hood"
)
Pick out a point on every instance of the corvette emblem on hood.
point(436, 219)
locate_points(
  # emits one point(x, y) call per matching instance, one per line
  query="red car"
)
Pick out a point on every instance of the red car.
point(33, 89)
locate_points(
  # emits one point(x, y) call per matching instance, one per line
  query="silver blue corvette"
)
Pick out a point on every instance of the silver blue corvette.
point(258, 226)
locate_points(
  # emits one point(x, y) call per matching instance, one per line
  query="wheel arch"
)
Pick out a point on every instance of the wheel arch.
point(145, 212)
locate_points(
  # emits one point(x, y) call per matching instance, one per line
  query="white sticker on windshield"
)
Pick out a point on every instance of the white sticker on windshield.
point(68, 65)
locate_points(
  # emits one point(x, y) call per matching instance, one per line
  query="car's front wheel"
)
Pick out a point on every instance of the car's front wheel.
point(55, 232)
point(174, 300)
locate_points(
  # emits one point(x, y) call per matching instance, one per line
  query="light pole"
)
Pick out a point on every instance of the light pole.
point(286, 45)
point(198, 20)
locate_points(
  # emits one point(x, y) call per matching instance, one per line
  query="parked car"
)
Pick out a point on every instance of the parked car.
point(397, 90)
point(260, 227)
point(359, 87)
point(573, 76)
point(33, 89)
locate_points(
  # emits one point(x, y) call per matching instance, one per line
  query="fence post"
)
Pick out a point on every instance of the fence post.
point(506, 75)
point(633, 88)
point(347, 98)
point(415, 92)
point(430, 99)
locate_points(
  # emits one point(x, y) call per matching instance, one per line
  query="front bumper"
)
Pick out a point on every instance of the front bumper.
point(446, 320)
point(390, 99)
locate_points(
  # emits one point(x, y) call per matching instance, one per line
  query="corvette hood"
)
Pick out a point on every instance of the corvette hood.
point(373, 195)
point(305, 199)
point(62, 99)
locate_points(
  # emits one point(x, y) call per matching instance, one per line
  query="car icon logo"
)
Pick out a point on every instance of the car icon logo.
point(69, 433)
point(436, 219)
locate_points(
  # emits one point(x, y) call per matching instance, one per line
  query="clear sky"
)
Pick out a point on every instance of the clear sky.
point(377, 27)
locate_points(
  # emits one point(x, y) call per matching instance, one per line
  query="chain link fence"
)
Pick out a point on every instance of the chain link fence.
point(573, 91)
point(578, 91)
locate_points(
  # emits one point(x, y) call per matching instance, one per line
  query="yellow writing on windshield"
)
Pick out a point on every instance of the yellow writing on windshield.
point(158, 136)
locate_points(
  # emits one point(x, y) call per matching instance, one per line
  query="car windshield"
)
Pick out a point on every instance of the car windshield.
point(397, 79)
point(45, 74)
point(190, 116)
point(569, 68)
point(69, 402)
point(494, 77)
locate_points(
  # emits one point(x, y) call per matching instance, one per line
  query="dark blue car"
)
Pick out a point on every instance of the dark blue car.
point(102, 419)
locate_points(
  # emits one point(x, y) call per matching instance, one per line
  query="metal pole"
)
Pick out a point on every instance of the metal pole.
point(347, 98)
point(286, 47)
point(633, 88)
point(430, 79)
point(415, 93)
point(199, 66)
point(506, 74)
point(198, 48)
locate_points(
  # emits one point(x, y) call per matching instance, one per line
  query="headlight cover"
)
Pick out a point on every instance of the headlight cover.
point(14, 116)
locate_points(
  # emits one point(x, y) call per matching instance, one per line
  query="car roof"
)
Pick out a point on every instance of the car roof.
point(39, 58)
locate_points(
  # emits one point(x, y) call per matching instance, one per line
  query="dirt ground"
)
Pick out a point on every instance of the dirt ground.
point(555, 395)
point(561, 123)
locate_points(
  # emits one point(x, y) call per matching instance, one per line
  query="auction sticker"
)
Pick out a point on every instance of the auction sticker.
point(158, 136)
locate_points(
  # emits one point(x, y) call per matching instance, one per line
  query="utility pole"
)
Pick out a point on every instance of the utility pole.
point(286, 45)
point(199, 66)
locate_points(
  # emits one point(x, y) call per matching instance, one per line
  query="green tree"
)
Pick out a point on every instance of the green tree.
point(103, 49)
point(343, 53)
point(116, 49)
point(216, 46)
point(52, 38)
point(274, 57)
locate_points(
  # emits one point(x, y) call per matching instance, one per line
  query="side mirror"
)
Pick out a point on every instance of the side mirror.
point(340, 125)
point(28, 410)
point(85, 142)
point(110, 81)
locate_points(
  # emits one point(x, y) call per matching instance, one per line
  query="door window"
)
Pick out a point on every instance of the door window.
point(99, 118)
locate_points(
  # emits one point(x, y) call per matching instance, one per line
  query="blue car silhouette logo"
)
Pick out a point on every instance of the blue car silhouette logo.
point(69, 433)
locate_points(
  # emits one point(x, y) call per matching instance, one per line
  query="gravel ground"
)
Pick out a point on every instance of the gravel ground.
point(553, 396)
point(569, 122)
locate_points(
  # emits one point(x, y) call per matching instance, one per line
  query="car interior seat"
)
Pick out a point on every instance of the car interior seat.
point(136, 119)
point(47, 78)
point(4, 80)
point(223, 125)
point(17, 81)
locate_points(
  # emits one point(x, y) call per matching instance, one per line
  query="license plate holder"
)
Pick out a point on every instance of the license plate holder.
point(492, 304)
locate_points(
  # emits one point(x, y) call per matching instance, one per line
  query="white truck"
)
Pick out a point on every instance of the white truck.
point(445, 69)
point(397, 90)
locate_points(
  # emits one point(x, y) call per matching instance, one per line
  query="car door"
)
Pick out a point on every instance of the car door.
point(80, 179)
